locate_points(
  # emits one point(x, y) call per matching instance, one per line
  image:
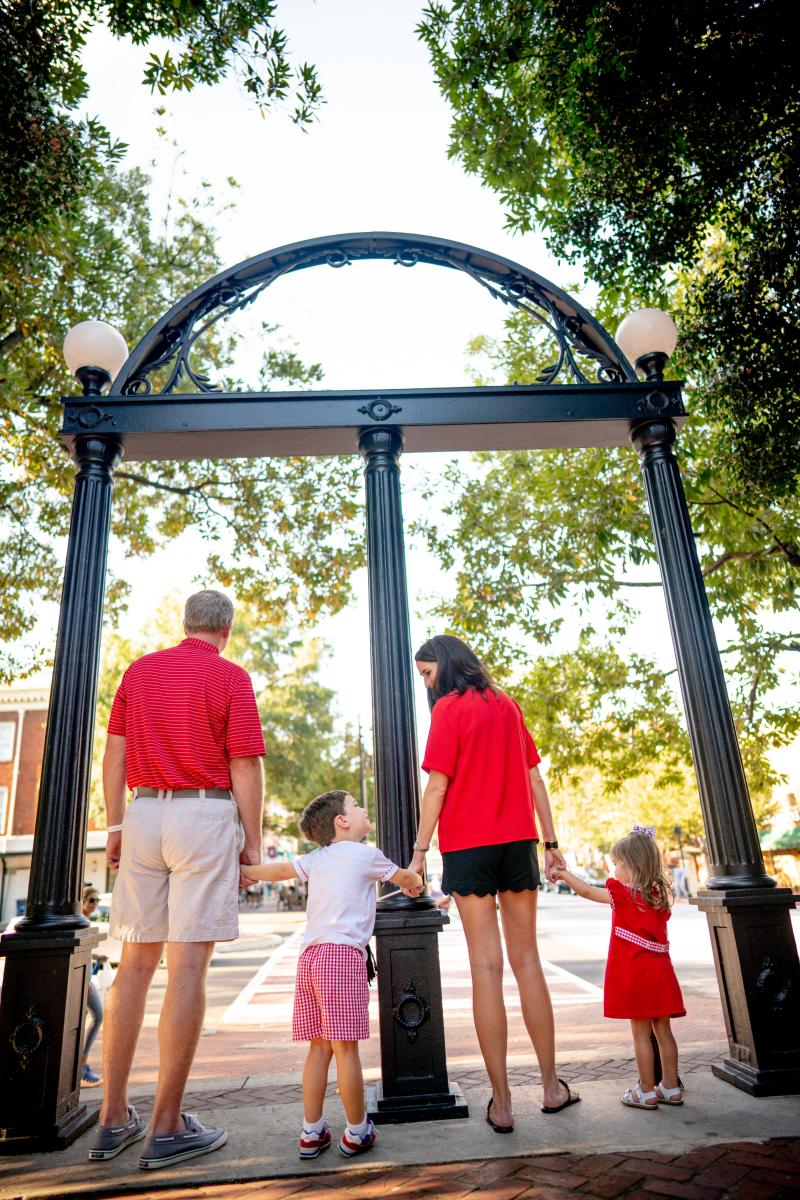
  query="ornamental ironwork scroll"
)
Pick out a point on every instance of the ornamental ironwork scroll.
point(167, 349)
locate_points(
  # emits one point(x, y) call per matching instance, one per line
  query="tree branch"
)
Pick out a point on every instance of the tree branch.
point(194, 490)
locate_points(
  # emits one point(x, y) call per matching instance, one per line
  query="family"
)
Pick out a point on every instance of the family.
point(184, 737)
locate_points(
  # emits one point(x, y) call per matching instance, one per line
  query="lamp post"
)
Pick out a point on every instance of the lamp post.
point(749, 918)
point(48, 955)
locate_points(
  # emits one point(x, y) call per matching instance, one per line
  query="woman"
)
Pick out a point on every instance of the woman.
point(484, 791)
point(90, 1078)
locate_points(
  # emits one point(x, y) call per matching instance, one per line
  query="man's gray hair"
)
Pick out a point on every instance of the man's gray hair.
point(207, 612)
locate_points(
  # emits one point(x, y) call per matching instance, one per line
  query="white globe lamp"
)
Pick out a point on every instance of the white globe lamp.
point(647, 338)
point(94, 352)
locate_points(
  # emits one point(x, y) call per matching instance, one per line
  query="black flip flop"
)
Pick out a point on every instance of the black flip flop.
point(497, 1128)
point(558, 1107)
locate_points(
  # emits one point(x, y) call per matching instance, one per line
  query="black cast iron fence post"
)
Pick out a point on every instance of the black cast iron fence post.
point(749, 918)
point(48, 955)
point(414, 1084)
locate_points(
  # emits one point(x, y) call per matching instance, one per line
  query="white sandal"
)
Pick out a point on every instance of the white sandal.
point(666, 1095)
point(636, 1098)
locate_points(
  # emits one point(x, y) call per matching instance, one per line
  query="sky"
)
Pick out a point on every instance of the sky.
point(375, 160)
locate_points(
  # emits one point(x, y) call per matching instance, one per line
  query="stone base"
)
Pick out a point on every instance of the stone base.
point(755, 1082)
point(397, 1110)
point(757, 967)
point(48, 1137)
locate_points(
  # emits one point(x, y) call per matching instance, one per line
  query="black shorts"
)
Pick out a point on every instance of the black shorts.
point(487, 870)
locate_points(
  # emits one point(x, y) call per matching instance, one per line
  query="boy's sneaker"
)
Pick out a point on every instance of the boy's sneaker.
point(110, 1140)
point(90, 1078)
point(350, 1144)
point(312, 1144)
point(166, 1149)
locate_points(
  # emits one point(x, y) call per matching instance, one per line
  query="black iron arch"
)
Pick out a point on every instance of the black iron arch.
point(167, 347)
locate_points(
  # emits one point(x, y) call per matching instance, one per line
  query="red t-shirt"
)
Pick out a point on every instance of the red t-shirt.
point(185, 713)
point(479, 741)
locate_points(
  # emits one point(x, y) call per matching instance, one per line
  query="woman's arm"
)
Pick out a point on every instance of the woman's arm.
point(600, 895)
point(272, 872)
point(432, 801)
point(553, 859)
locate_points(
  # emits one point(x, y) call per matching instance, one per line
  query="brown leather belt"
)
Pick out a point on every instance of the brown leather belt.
point(213, 793)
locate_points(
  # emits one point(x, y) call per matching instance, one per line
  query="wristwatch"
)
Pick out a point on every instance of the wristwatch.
point(422, 849)
point(551, 845)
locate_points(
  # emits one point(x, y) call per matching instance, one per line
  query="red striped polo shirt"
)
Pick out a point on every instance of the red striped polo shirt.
point(185, 713)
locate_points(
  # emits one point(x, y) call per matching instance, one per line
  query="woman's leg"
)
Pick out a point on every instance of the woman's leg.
point(518, 913)
point(94, 1005)
point(479, 919)
point(668, 1049)
point(315, 1078)
point(643, 1049)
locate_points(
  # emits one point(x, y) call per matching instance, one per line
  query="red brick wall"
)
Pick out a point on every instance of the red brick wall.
point(30, 769)
point(7, 768)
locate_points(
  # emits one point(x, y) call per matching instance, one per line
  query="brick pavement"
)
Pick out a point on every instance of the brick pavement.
point(727, 1171)
point(622, 1068)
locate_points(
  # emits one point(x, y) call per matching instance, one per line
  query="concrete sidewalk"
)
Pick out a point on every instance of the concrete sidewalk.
point(408, 1161)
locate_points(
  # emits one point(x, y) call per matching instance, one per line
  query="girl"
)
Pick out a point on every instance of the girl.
point(640, 980)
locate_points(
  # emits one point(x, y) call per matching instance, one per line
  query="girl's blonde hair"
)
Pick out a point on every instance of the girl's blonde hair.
point(641, 857)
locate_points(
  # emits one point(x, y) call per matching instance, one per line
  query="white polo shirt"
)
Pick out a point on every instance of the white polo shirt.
point(341, 892)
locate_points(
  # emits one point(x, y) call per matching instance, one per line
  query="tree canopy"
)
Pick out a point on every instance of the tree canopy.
point(78, 240)
point(48, 149)
point(657, 144)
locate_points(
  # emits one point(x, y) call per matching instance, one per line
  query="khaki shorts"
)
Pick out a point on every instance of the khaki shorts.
point(178, 877)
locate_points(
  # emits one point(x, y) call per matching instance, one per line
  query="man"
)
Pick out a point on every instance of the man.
point(185, 735)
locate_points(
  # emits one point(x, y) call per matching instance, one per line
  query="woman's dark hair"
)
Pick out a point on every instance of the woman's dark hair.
point(459, 667)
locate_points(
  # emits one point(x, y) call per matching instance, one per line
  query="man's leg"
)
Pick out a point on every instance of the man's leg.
point(179, 1029)
point(123, 1021)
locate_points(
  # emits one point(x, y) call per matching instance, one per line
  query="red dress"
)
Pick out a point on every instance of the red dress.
point(640, 978)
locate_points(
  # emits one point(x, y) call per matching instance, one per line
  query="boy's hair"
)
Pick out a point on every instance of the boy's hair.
point(640, 855)
point(318, 822)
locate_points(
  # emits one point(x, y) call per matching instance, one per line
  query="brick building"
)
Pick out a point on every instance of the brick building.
point(23, 716)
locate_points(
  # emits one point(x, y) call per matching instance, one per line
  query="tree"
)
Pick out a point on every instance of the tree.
point(546, 550)
point(48, 151)
point(77, 240)
point(290, 524)
point(658, 145)
point(308, 749)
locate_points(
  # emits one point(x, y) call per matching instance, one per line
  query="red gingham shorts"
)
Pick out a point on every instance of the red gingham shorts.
point(331, 998)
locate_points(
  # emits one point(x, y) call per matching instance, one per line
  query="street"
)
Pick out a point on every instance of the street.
point(250, 987)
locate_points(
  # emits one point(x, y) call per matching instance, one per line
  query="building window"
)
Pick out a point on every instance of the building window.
point(3, 807)
point(7, 740)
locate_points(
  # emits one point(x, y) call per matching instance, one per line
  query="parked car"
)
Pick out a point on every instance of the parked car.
point(560, 885)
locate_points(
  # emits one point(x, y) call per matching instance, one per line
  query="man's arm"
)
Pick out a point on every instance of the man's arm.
point(247, 785)
point(115, 792)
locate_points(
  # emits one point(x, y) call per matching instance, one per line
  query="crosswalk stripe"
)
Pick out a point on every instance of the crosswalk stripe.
point(267, 999)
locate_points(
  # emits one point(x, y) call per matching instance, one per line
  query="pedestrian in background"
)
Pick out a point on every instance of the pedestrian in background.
point(94, 1002)
point(185, 735)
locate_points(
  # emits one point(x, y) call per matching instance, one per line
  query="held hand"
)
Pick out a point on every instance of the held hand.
point(553, 863)
point(250, 854)
point(413, 889)
point(114, 850)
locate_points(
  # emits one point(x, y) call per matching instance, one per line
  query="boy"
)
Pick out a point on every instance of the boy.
point(331, 1003)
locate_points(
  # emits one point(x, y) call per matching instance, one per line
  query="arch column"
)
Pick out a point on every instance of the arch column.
point(755, 955)
point(48, 955)
point(414, 1083)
